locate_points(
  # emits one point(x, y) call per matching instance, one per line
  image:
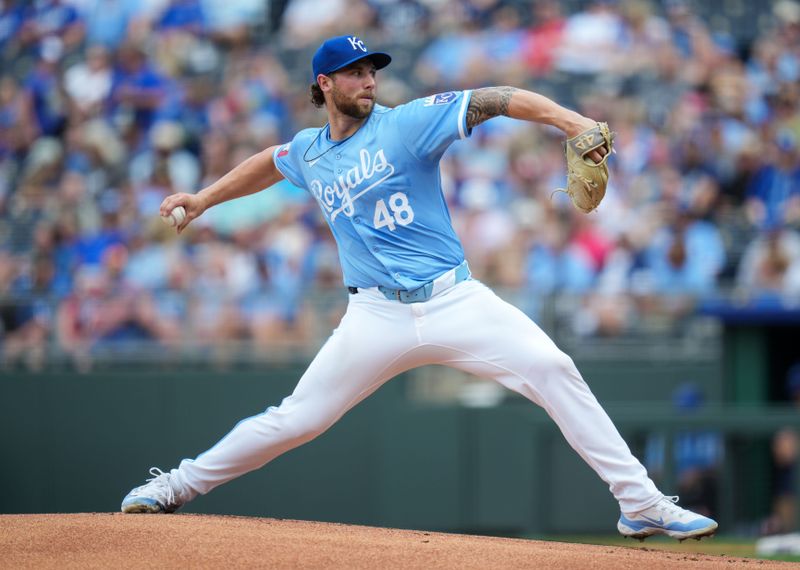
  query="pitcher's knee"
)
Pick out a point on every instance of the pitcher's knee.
point(557, 363)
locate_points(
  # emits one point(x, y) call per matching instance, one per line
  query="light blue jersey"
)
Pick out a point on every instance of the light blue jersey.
point(380, 190)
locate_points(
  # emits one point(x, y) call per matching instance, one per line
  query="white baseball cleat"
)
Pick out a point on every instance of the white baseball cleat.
point(156, 496)
point(665, 517)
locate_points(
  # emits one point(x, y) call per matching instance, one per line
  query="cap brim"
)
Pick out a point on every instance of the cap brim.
point(379, 58)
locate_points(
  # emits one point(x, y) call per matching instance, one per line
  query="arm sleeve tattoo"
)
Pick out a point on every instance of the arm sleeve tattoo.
point(488, 102)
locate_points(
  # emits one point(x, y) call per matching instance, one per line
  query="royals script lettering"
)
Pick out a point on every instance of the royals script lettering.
point(338, 197)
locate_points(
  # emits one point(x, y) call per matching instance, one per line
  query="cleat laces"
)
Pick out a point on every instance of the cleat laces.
point(157, 484)
point(669, 507)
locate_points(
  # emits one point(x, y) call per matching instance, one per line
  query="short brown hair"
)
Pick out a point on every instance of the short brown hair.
point(317, 97)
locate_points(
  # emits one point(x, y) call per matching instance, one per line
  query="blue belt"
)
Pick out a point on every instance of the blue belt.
point(426, 291)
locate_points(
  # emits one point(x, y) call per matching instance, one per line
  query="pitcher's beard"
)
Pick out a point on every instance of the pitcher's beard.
point(351, 107)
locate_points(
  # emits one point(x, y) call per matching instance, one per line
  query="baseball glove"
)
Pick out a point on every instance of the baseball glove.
point(586, 179)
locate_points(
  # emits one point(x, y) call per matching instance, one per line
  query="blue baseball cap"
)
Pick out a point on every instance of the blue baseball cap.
point(341, 51)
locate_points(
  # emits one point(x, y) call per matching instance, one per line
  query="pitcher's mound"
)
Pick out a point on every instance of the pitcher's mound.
point(104, 540)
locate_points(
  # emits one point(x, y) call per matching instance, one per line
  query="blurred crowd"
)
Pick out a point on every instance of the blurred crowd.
point(107, 106)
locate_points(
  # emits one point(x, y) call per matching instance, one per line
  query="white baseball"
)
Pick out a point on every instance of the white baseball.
point(175, 217)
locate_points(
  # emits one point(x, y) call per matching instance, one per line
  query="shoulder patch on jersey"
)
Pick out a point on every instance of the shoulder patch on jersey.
point(284, 150)
point(440, 98)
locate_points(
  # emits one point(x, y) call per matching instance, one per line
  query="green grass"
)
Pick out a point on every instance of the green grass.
point(742, 548)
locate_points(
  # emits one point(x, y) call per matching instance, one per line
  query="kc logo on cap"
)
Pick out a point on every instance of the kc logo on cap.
point(341, 51)
point(357, 43)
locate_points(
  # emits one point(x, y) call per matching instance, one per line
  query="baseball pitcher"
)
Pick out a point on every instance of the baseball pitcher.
point(374, 171)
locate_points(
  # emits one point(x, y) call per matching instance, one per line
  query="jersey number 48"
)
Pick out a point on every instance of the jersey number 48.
point(401, 212)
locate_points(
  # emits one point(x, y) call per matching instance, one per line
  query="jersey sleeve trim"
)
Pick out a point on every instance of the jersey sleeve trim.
point(463, 131)
point(283, 170)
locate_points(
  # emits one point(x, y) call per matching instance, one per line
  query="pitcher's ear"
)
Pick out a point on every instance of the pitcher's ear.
point(324, 82)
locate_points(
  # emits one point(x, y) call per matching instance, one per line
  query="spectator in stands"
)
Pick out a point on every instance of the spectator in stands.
point(167, 157)
point(75, 316)
point(403, 20)
point(35, 198)
point(486, 226)
point(556, 263)
point(610, 309)
point(592, 40)
point(304, 21)
point(692, 38)
point(543, 38)
point(698, 190)
point(787, 33)
point(18, 125)
point(12, 16)
point(137, 92)
point(149, 259)
point(229, 22)
point(274, 309)
point(785, 447)
point(222, 276)
point(109, 22)
point(645, 34)
point(782, 519)
point(769, 272)
point(88, 84)
point(685, 256)
point(774, 193)
point(183, 15)
point(47, 19)
point(172, 301)
point(44, 88)
point(76, 200)
point(126, 314)
point(502, 47)
point(181, 46)
point(91, 247)
point(450, 57)
point(97, 150)
point(26, 332)
point(187, 104)
point(216, 156)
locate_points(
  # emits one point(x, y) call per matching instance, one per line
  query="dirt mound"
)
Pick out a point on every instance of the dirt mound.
point(103, 540)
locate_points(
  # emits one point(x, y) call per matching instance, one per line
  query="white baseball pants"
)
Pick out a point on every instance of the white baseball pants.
point(467, 327)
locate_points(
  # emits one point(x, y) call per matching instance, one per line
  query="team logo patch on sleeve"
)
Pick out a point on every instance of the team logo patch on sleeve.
point(283, 151)
point(441, 98)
